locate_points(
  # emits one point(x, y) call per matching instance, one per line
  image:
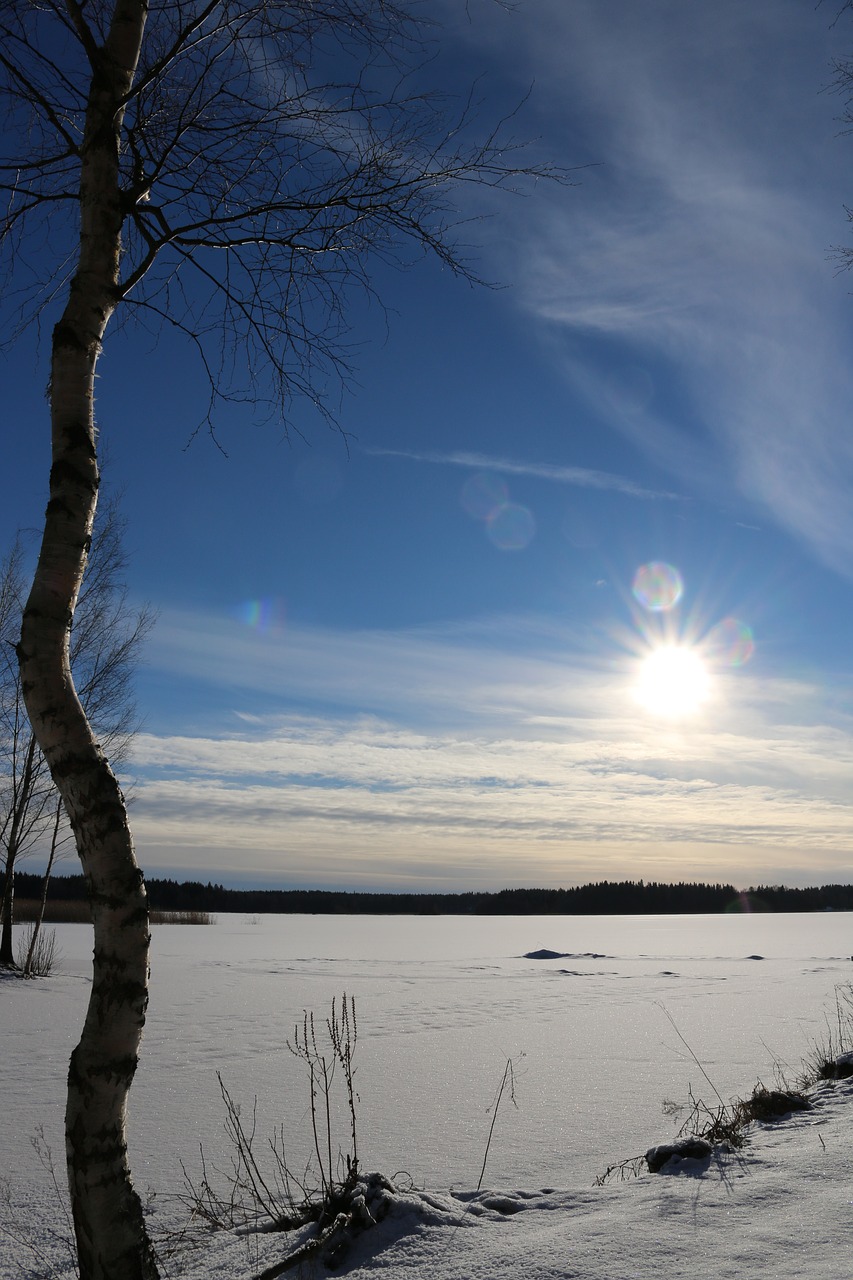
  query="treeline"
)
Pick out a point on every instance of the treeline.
point(626, 897)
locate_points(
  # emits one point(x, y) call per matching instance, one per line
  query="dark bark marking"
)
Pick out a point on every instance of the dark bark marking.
point(58, 507)
point(63, 472)
point(78, 436)
point(65, 335)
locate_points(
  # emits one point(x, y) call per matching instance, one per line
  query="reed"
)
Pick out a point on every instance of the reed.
point(181, 917)
point(69, 911)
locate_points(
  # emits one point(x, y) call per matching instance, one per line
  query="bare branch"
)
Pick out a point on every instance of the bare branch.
point(271, 152)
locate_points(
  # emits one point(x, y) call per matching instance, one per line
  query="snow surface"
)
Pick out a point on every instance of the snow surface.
point(442, 1003)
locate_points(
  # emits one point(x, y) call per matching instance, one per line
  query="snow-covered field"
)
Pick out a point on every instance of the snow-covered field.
point(442, 1003)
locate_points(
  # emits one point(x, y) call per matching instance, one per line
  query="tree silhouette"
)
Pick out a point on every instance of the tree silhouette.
point(106, 643)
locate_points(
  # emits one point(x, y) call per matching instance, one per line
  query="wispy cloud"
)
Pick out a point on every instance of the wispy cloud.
point(446, 674)
point(697, 249)
point(581, 477)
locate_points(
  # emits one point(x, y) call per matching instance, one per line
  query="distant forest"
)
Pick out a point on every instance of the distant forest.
point(625, 897)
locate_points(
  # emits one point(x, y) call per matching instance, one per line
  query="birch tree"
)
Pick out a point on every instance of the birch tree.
point(226, 171)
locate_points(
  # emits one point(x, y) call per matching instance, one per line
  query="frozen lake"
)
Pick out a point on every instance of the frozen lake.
point(442, 1003)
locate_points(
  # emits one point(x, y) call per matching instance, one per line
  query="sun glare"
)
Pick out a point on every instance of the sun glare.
point(673, 681)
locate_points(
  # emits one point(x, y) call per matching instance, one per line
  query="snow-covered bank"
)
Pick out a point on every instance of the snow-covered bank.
point(781, 1208)
point(440, 1005)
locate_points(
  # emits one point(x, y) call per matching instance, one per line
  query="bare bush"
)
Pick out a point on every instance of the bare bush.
point(259, 1189)
point(38, 954)
point(51, 1245)
point(837, 1041)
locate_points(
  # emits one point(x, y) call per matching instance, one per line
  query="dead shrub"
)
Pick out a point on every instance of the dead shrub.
point(773, 1104)
point(37, 961)
point(260, 1190)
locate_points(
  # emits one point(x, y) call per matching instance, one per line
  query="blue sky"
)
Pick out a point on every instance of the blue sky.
point(357, 679)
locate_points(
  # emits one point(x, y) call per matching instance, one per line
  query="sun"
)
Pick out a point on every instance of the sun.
point(673, 681)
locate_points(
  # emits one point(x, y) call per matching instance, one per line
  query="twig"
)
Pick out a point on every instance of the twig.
point(674, 1026)
point(508, 1079)
point(307, 1250)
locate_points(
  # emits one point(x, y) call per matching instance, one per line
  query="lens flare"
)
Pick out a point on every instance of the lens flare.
point(267, 614)
point(730, 643)
point(483, 495)
point(511, 528)
point(657, 586)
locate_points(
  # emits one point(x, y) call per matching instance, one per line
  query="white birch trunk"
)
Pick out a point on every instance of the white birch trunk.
point(111, 1238)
